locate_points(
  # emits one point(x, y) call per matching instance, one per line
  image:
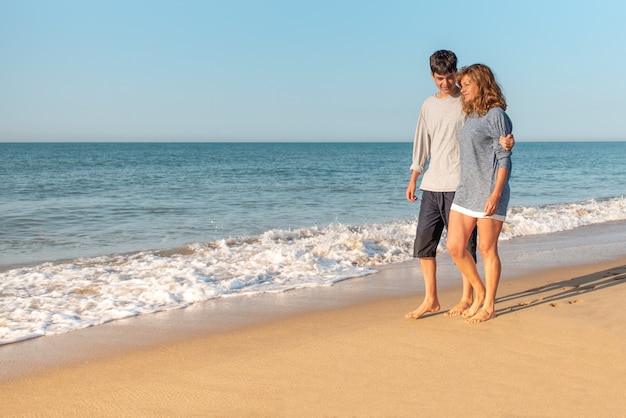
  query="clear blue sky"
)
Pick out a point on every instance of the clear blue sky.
point(247, 70)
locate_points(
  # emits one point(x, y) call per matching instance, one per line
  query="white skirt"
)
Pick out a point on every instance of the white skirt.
point(474, 214)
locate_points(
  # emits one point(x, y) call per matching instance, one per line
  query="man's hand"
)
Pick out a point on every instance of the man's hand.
point(410, 189)
point(507, 142)
point(410, 192)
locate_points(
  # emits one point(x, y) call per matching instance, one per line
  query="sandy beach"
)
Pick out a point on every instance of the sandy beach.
point(556, 348)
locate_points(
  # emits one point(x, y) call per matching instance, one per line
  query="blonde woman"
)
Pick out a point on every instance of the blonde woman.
point(482, 196)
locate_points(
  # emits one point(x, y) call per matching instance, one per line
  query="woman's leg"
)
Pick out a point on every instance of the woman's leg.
point(467, 296)
point(489, 231)
point(459, 230)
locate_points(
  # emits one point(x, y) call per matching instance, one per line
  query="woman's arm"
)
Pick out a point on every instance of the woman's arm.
point(492, 202)
point(501, 129)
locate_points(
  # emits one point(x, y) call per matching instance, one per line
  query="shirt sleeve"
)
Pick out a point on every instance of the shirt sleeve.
point(500, 125)
point(421, 145)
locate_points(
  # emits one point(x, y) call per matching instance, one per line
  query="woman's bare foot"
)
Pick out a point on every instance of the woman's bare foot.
point(459, 308)
point(471, 311)
point(425, 307)
point(481, 316)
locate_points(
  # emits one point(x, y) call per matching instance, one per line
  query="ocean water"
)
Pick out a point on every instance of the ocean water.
point(94, 232)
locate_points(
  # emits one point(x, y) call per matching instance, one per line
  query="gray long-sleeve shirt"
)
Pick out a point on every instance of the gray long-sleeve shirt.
point(481, 157)
point(440, 120)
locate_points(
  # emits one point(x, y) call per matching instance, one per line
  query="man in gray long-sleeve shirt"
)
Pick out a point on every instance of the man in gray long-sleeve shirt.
point(436, 145)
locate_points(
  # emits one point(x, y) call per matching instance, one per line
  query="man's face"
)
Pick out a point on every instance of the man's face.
point(445, 83)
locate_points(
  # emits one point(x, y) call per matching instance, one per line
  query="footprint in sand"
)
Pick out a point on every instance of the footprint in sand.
point(569, 302)
point(527, 302)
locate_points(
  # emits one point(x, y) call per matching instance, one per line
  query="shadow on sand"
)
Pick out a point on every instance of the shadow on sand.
point(561, 292)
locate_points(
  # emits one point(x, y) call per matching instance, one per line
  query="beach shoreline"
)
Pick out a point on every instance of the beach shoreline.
point(556, 347)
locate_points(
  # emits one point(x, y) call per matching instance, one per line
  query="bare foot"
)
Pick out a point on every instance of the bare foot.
point(458, 309)
point(481, 316)
point(471, 311)
point(425, 307)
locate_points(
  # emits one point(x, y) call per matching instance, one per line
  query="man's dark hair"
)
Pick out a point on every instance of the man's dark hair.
point(443, 62)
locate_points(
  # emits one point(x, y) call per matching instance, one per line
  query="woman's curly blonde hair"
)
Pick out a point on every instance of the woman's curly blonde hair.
point(489, 92)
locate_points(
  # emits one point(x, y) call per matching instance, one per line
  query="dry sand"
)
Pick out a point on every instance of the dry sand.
point(556, 349)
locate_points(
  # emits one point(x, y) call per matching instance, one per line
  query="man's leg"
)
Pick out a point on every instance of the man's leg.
point(431, 302)
point(429, 228)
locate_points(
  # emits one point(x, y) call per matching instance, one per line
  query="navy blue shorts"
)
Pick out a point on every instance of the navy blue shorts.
point(433, 217)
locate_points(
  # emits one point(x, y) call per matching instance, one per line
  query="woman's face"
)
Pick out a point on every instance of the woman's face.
point(469, 89)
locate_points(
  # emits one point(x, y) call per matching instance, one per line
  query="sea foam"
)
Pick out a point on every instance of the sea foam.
point(58, 297)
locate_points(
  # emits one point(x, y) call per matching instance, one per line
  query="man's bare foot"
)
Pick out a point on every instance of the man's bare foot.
point(425, 307)
point(458, 309)
point(481, 316)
